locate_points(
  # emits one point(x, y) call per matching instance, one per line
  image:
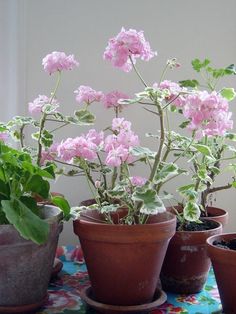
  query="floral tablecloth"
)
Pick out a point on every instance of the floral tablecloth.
point(64, 291)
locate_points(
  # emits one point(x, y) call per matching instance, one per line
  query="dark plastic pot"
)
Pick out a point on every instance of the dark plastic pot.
point(124, 261)
point(186, 264)
point(224, 265)
point(25, 267)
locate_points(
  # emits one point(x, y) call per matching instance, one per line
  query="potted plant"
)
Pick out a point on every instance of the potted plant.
point(126, 219)
point(28, 232)
point(186, 263)
point(44, 114)
point(221, 250)
point(219, 140)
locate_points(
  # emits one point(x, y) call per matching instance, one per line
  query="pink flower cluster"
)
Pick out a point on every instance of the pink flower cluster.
point(84, 146)
point(111, 100)
point(87, 94)
point(3, 136)
point(38, 103)
point(118, 145)
point(174, 90)
point(138, 181)
point(127, 44)
point(58, 61)
point(49, 154)
point(208, 114)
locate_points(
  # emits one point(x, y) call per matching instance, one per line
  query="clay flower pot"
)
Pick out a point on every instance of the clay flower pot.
point(25, 267)
point(224, 265)
point(186, 264)
point(218, 214)
point(124, 261)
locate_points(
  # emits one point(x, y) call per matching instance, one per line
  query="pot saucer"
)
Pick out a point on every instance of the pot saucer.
point(159, 298)
point(29, 308)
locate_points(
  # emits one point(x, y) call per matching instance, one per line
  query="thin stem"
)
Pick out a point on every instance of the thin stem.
point(186, 149)
point(114, 177)
point(43, 120)
point(219, 188)
point(137, 72)
point(162, 140)
point(146, 103)
point(103, 174)
point(163, 73)
point(59, 127)
point(22, 135)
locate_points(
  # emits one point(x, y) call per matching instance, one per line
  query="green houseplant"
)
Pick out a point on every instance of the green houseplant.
point(210, 122)
point(28, 232)
point(124, 204)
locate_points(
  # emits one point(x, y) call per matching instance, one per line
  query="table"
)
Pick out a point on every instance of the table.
point(64, 291)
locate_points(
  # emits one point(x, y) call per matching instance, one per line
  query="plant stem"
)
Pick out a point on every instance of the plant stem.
point(43, 120)
point(59, 127)
point(22, 135)
point(103, 174)
point(137, 72)
point(162, 139)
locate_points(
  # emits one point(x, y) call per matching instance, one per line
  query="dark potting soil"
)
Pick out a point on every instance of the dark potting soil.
point(228, 245)
point(194, 226)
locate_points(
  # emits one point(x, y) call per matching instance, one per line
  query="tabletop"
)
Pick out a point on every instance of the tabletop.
point(64, 291)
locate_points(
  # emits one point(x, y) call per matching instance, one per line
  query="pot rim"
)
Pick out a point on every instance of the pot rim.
point(221, 236)
point(202, 231)
point(172, 218)
point(55, 218)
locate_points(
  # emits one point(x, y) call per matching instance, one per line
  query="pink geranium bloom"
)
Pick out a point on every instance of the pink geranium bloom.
point(38, 103)
point(4, 136)
point(49, 154)
point(87, 94)
point(138, 181)
point(208, 114)
point(95, 137)
point(111, 100)
point(127, 44)
point(119, 124)
point(116, 156)
point(174, 90)
point(58, 61)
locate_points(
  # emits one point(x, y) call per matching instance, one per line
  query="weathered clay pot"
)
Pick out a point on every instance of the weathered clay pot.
point(218, 214)
point(124, 261)
point(224, 265)
point(25, 267)
point(186, 263)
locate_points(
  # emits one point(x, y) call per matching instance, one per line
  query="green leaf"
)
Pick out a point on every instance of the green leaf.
point(30, 226)
point(203, 149)
point(142, 152)
point(165, 172)
point(228, 93)
point(118, 193)
point(231, 136)
point(234, 184)
point(4, 190)
point(151, 203)
point(63, 204)
point(109, 208)
point(184, 124)
point(191, 211)
point(190, 195)
point(84, 117)
point(198, 65)
point(46, 138)
point(38, 185)
point(230, 69)
point(189, 83)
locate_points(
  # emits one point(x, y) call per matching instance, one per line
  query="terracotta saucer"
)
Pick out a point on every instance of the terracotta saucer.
point(29, 308)
point(159, 298)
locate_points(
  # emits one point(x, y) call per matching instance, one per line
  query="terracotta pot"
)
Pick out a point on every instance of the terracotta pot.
point(224, 265)
point(25, 267)
point(124, 261)
point(186, 264)
point(218, 214)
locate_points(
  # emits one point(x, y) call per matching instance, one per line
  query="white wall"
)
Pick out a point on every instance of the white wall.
point(184, 29)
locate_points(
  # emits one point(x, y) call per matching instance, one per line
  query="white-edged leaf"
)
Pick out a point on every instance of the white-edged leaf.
point(191, 211)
